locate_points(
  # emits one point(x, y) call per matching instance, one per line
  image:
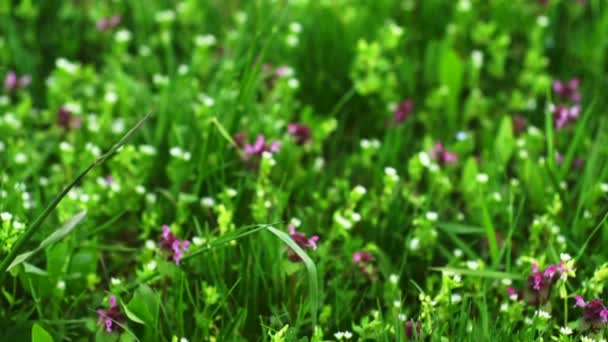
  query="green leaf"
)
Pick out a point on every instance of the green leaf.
point(131, 315)
point(505, 142)
point(29, 268)
point(450, 75)
point(54, 237)
point(310, 267)
point(479, 273)
point(143, 306)
point(40, 335)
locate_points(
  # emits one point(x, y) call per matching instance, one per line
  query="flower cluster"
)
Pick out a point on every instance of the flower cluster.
point(364, 260)
point(403, 110)
point(171, 244)
point(257, 148)
point(569, 108)
point(111, 317)
point(595, 314)
point(443, 156)
point(66, 119)
point(13, 82)
point(538, 284)
point(108, 23)
point(302, 241)
point(300, 132)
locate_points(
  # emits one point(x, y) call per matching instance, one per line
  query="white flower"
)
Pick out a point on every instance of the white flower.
point(183, 69)
point(477, 58)
point(293, 83)
point(231, 192)
point(528, 321)
point(293, 40)
point(65, 146)
point(66, 65)
point(20, 158)
point(425, 159)
point(565, 331)
point(356, 217)
point(402, 317)
point(319, 164)
point(473, 265)
point(339, 335)
point(151, 198)
point(296, 222)
point(206, 100)
point(561, 239)
point(456, 298)
point(464, 5)
point(147, 149)
point(123, 36)
point(115, 281)
point(197, 241)
point(360, 189)
point(151, 245)
point(18, 225)
point(432, 216)
point(394, 279)
point(295, 27)
point(183, 339)
point(565, 257)
point(61, 285)
point(506, 282)
point(118, 126)
point(165, 16)
point(365, 144)
point(504, 307)
point(151, 266)
point(43, 181)
point(414, 244)
point(160, 80)
point(497, 196)
point(348, 335)
point(462, 136)
point(6, 216)
point(397, 304)
point(543, 314)
point(542, 21)
point(207, 202)
point(111, 97)
point(343, 222)
point(458, 252)
point(390, 171)
point(205, 40)
point(587, 339)
point(140, 189)
point(2, 146)
point(145, 50)
point(482, 178)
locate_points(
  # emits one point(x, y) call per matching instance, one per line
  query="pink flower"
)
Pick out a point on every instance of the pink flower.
point(300, 132)
point(173, 245)
point(13, 82)
point(519, 123)
point(258, 147)
point(413, 329)
point(403, 110)
point(539, 284)
point(443, 156)
point(595, 314)
point(108, 23)
point(109, 317)
point(301, 240)
point(564, 115)
point(364, 260)
point(567, 90)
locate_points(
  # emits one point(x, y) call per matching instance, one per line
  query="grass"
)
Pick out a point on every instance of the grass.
point(424, 217)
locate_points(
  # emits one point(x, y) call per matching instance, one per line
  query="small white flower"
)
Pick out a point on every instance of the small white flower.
point(151, 198)
point(2, 146)
point(293, 40)
point(542, 21)
point(458, 252)
point(587, 339)
point(504, 307)
point(197, 241)
point(497, 196)
point(414, 244)
point(587, 214)
point(207, 202)
point(506, 282)
point(231, 192)
point(432, 216)
point(394, 279)
point(360, 189)
point(66, 65)
point(183, 339)
point(140, 189)
point(425, 159)
point(390, 171)
point(356, 217)
point(339, 335)
point(123, 36)
point(18, 225)
point(6, 216)
point(111, 97)
point(147, 149)
point(343, 222)
point(295, 27)
point(296, 222)
point(456, 298)
point(365, 144)
point(151, 266)
point(482, 178)
point(348, 335)
point(20, 158)
point(477, 58)
point(461, 135)
point(565, 331)
point(118, 126)
point(43, 181)
point(206, 100)
point(543, 314)
point(151, 245)
point(145, 50)
point(528, 321)
point(473, 265)
point(205, 40)
point(65, 146)
point(61, 285)
point(293, 83)
point(565, 257)
point(464, 5)
point(397, 304)
point(183, 69)
point(160, 80)
point(514, 182)
point(319, 164)
point(115, 281)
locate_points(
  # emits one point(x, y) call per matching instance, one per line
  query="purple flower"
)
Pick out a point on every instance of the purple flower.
point(258, 147)
point(66, 120)
point(519, 124)
point(538, 284)
point(364, 260)
point(564, 115)
point(443, 156)
point(108, 23)
point(109, 317)
point(413, 329)
point(13, 82)
point(577, 163)
point(567, 90)
point(595, 314)
point(403, 110)
point(301, 240)
point(171, 244)
point(302, 133)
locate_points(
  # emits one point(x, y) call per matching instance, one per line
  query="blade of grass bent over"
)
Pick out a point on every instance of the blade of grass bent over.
point(34, 226)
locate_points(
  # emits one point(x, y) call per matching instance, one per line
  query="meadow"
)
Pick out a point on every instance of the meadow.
point(304, 170)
